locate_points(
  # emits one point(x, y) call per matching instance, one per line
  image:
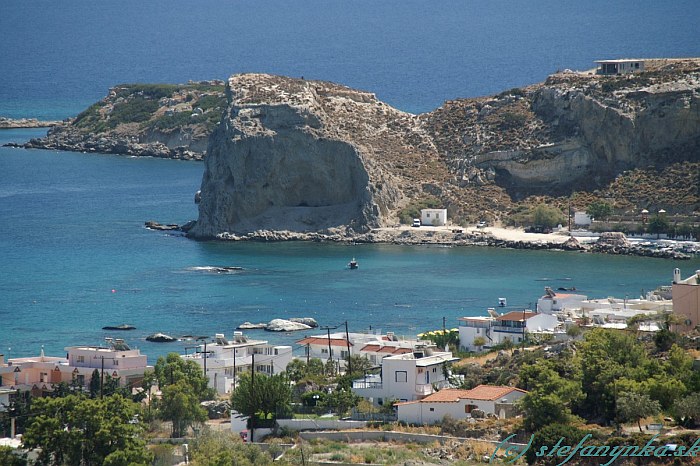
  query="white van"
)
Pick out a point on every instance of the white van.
point(416, 222)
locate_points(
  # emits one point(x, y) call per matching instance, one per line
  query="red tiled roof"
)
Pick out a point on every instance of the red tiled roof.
point(516, 316)
point(482, 392)
point(323, 341)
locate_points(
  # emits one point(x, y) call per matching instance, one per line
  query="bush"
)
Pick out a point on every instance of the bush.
point(135, 110)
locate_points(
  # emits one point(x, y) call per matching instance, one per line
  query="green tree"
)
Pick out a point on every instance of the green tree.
point(608, 357)
point(95, 383)
point(19, 408)
point(82, 431)
point(550, 396)
point(296, 370)
point(180, 405)
point(8, 457)
point(548, 437)
point(633, 407)
point(479, 342)
point(216, 448)
point(599, 210)
point(341, 401)
point(686, 410)
point(262, 396)
point(658, 224)
point(174, 369)
point(546, 217)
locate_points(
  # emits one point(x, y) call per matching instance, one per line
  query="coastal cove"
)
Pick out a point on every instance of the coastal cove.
point(77, 257)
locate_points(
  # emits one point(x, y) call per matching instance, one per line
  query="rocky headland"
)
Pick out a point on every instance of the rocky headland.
point(154, 120)
point(290, 158)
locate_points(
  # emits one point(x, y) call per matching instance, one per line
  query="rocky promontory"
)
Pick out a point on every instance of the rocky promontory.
point(155, 120)
point(313, 157)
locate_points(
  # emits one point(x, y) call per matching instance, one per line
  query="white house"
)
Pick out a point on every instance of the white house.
point(223, 360)
point(471, 328)
point(620, 66)
point(554, 301)
point(434, 217)
point(459, 404)
point(582, 219)
point(406, 377)
point(496, 329)
point(374, 346)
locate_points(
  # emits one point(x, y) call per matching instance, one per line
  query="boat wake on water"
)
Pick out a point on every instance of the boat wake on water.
point(214, 269)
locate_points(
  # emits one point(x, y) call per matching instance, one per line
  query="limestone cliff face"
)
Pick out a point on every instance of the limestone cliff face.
point(300, 155)
point(575, 131)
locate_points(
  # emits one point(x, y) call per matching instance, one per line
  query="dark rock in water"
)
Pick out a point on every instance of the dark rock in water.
point(160, 338)
point(119, 327)
point(151, 225)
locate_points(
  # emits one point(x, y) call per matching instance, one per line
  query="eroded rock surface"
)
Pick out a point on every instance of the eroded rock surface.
point(305, 156)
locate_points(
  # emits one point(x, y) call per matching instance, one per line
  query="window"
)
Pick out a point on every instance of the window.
point(324, 351)
point(343, 354)
point(80, 359)
point(432, 409)
point(401, 376)
point(276, 352)
point(43, 377)
point(427, 215)
point(434, 370)
point(468, 408)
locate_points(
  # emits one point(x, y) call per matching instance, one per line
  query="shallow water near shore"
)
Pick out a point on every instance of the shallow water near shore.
point(76, 257)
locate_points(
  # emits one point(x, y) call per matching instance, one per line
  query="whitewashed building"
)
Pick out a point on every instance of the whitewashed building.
point(223, 360)
point(582, 219)
point(373, 346)
point(496, 329)
point(620, 66)
point(433, 217)
point(407, 377)
point(555, 301)
point(459, 404)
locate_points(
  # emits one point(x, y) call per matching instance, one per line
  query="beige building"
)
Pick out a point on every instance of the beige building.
point(38, 374)
point(686, 300)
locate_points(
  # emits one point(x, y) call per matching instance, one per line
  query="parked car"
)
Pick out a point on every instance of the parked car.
point(482, 224)
point(416, 222)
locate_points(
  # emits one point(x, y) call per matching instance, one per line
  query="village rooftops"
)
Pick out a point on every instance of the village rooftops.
point(386, 349)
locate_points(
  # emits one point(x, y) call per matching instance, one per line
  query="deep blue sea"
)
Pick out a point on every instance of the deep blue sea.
point(74, 255)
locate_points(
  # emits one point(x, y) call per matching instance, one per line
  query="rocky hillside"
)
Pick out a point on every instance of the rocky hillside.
point(158, 120)
point(312, 156)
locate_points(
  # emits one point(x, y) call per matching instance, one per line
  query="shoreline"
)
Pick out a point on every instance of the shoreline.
point(23, 123)
point(449, 236)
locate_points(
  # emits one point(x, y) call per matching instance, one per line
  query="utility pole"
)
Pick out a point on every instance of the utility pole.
point(252, 390)
point(347, 340)
point(330, 350)
point(102, 373)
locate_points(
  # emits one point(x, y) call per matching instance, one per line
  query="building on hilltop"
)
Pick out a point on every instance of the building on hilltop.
point(686, 300)
point(620, 66)
point(492, 400)
point(223, 360)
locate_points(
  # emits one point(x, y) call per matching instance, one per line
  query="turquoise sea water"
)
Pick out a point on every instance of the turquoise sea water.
point(74, 255)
